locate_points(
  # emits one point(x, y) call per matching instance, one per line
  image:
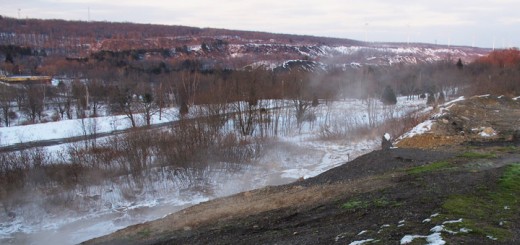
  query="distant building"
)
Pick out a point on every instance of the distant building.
point(22, 80)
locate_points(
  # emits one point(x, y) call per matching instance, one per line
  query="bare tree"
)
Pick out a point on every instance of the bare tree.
point(63, 101)
point(33, 103)
point(7, 98)
point(246, 115)
point(125, 103)
point(189, 85)
point(148, 107)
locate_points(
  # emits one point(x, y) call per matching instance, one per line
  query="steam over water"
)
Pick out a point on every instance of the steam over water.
point(94, 210)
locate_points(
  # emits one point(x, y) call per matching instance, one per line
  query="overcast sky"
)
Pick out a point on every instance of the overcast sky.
point(479, 23)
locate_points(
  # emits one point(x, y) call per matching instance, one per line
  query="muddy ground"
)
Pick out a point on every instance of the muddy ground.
point(381, 197)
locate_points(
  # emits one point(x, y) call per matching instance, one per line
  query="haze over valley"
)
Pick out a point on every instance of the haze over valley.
point(106, 125)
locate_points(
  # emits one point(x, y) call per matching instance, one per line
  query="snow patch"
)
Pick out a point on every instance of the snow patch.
point(452, 221)
point(464, 230)
point(387, 136)
point(487, 132)
point(433, 239)
point(361, 242)
point(421, 128)
point(492, 238)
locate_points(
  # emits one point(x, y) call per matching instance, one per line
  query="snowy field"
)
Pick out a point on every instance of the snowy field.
point(298, 153)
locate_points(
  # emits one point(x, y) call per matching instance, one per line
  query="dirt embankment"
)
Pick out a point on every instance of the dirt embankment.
point(476, 119)
point(417, 191)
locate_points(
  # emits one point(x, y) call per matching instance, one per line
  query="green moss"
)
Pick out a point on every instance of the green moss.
point(510, 180)
point(468, 205)
point(355, 204)
point(487, 211)
point(480, 229)
point(435, 166)
point(477, 155)
point(381, 203)
point(510, 148)
point(144, 233)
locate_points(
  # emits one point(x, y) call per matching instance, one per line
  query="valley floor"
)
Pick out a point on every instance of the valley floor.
point(465, 190)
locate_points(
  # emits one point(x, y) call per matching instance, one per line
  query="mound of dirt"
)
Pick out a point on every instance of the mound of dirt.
point(479, 118)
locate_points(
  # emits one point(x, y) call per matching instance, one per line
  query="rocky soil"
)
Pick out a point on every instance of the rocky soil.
point(457, 183)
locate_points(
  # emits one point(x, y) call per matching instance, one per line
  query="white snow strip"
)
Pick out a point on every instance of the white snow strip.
point(361, 242)
point(461, 98)
point(465, 230)
point(452, 221)
point(72, 128)
point(432, 239)
point(516, 98)
point(437, 228)
point(492, 238)
point(421, 128)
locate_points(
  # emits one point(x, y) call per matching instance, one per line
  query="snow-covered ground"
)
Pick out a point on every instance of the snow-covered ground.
point(112, 205)
point(76, 127)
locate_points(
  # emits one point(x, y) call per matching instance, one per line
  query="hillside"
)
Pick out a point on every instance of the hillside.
point(462, 190)
point(125, 43)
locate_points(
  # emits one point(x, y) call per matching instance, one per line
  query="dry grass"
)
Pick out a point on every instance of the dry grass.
point(430, 141)
point(252, 202)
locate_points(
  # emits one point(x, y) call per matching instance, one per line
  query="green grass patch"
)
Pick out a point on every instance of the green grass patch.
point(510, 148)
point(435, 166)
point(477, 155)
point(480, 229)
point(144, 233)
point(478, 207)
point(356, 204)
point(511, 179)
point(488, 210)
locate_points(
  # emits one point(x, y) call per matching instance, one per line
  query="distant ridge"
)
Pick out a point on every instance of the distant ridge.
point(81, 40)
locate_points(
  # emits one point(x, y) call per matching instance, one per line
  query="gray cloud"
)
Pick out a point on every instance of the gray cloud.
point(476, 22)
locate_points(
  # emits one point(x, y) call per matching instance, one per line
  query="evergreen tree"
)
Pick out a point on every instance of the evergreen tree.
point(459, 64)
point(183, 110)
point(315, 101)
point(389, 97)
point(442, 98)
point(431, 99)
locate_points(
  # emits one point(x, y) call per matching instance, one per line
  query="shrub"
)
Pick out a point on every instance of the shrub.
point(388, 97)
